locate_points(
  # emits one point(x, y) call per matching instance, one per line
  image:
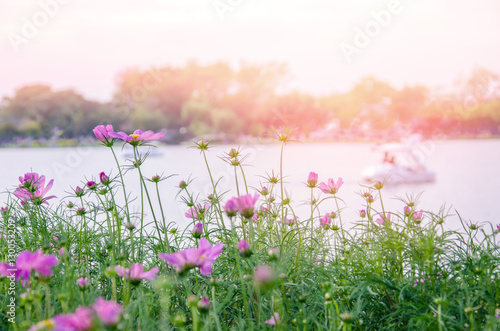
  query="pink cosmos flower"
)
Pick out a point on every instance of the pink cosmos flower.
point(4, 210)
point(33, 189)
point(80, 320)
point(138, 137)
point(312, 180)
point(381, 220)
point(103, 133)
point(27, 262)
point(201, 257)
point(291, 221)
point(82, 282)
point(4, 269)
point(31, 181)
point(275, 319)
point(108, 312)
point(244, 248)
point(418, 216)
point(246, 204)
point(331, 187)
point(197, 211)
point(231, 207)
point(136, 273)
point(264, 275)
point(325, 221)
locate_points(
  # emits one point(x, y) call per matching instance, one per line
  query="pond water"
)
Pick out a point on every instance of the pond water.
point(467, 180)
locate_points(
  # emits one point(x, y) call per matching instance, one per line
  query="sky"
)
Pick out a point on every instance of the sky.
point(328, 45)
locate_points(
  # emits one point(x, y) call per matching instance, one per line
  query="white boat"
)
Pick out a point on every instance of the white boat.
point(395, 174)
point(400, 165)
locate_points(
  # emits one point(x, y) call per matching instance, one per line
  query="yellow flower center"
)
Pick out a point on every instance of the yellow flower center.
point(203, 257)
point(49, 324)
point(135, 136)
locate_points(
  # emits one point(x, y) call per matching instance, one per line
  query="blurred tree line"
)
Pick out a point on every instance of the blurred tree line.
point(219, 99)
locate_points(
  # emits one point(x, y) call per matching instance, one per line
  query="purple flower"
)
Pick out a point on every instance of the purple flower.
point(104, 178)
point(108, 312)
point(103, 133)
point(197, 230)
point(312, 180)
point(331, 187)
point(80, 320)
point(82, 282)
point(381, 220)
point(79, 191)
point(136, 273)
point(275, 319)
point(4, 269)
point(91, 185)
point(27, 262)
point(264, 275)
point(138, 137)
point(325, 221)
point(204, 305)
point(31, 181)
point(417, 217)
point(244, 248)
point(33, 189)
point(231, 207)
point(246, 204)
point(201, 257)
point(4, 210)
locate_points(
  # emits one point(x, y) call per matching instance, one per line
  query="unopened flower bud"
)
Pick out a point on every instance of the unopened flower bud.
point(192, 300)
point(91, 185)
point(244, 248)
point(204, 305)
point(197, 230)
point(104, 179)
point(273, 254)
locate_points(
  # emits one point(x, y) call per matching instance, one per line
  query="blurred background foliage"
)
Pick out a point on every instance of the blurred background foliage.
point(219, 99)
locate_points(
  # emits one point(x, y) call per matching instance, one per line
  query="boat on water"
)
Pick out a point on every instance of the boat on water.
point(401, 164)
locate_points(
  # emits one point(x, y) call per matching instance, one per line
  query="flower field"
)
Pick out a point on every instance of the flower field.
point(246, 261)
